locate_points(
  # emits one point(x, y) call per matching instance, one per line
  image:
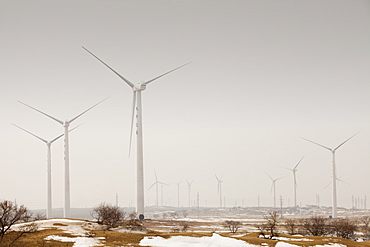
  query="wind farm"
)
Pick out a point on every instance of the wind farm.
point(204, 95)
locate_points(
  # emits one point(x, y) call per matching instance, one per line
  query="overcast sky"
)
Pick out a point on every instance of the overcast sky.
point(263, 74)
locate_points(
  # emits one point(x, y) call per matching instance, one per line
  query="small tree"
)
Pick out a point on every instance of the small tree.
point(270, 224)
point(11, 213)
point(109, 215)
point(232, 225)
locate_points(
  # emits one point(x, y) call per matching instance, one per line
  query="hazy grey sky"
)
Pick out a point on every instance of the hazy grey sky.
point(264, 74)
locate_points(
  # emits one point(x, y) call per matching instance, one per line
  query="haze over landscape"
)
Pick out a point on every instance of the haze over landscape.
point(263, 74)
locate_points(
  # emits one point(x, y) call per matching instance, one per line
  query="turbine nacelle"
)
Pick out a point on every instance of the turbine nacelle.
point(139, 87)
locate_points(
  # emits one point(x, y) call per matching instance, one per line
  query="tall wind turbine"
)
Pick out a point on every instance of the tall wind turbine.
point(219, 191)
point(48, 167)
point(189, 189)
point(294, 170)
point(156, 183)
point(137, 89)
point(273, 187)
point(332, 150)
point(66, 123)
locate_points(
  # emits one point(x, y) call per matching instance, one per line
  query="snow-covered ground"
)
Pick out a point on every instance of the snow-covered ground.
point(76, 228)
point(79, 228)
point(214, 241)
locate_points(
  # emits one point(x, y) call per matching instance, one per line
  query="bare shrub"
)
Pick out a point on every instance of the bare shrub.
point(365, 220)
point(316, 226)
point(133, 223)
point(343, 228)
point(184, 226)
point(232, 225)
point(90, 234)
point(291, 225)
point(109, 215)
point(39, 216)
point(270, 224)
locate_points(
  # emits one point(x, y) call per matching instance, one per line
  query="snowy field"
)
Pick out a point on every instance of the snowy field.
point(77, 230)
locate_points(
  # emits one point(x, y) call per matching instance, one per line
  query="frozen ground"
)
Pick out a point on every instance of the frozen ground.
point(214, 241)
point(78, 229)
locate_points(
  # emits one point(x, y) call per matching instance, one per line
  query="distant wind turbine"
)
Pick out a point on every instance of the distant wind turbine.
point(332, 150)
point(273, 187)
point(294, 170)
point(66, 123)
point(48, 167)
point(189, 189)
point(178, 193)
point(219, 191)
point(156, 183)
point(137, 89)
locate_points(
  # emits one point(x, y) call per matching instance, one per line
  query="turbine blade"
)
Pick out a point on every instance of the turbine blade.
point(317, 144)
point(278, 179)
point(156, 179)
point(345, 141)
point(56, 138)
point(163, 183)
point(298, 163)
point(327, 185)
point(217, 178)
point(152, 185)
point(147, 82)
point(59, 121)
point(343, 181)
point(269, 176)
point(287, 168)
point(132, 121)
point(272, 185)
point(123, 78)
point(70, 121)
point(31, 133)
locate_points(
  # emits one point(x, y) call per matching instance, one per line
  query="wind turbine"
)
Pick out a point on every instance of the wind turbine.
point(332, 150)
point(273, 187)
point(189, 188)
point(178, 193)
point(294, 170)
point(219, 181)
point(48, 166)
point(156, 186)
point(66, 123)
point(137, 89)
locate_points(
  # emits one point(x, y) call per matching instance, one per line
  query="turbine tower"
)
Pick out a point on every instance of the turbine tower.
point(273, 187)
point(178, 193)
point(137, 89)
point(294, 170)
point(48, 168)
point(156, 183)
point(334, 175)
point(66, 123)
point(219, 181)
point(189, 188)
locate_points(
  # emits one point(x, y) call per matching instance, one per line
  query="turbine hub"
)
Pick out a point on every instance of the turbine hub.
point(139, 87)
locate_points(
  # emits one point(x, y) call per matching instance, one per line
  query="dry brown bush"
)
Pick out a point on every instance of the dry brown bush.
point(109, 215)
